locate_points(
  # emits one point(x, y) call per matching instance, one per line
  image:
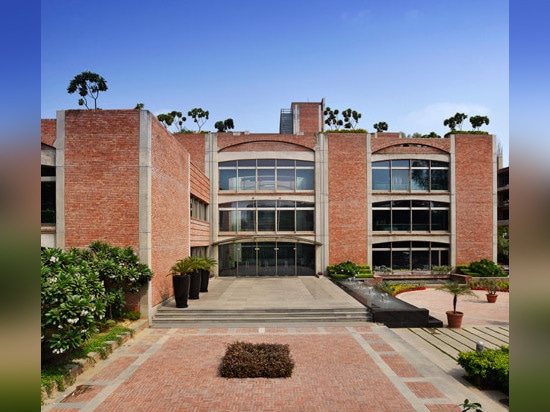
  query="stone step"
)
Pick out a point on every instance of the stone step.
point(174, 317)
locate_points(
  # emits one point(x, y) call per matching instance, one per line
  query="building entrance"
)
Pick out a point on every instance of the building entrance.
point(266, 259)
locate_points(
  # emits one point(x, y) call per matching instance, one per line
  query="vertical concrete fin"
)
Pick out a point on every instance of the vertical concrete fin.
point(145, 196)
point(59, 145)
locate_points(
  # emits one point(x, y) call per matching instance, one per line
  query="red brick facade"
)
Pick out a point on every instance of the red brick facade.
point(128, 181)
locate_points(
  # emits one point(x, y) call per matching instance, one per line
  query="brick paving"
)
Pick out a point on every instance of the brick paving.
point(358, 367)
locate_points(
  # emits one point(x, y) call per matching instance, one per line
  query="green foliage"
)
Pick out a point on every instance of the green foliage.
point(455, 121)
point(442, 270)
point(456, 289)
point(380, 126)
point(121, 272)
point(343, 270)
point(199, 116)
point(79, 287)
point(349, 131)
point(489, 368)
point(262, 360)
point(331, 118)
point(485, 268)
point(431, 135)
point(73, 301)
point(192, 264)
point(467, 405)
point(351, 118)
point(503, 248)
point(501, 284)
point(478, 121)
point(394, 288)
point(224, 126)
point(87, 84)
point(139, 106)
point(173, 118)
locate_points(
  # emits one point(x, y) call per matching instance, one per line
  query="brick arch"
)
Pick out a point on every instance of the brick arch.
point(265, 145)
point(410, 148)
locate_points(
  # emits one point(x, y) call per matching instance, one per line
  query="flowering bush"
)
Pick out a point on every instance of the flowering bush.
point(72, 301)
point(120, 270)
point(343, 269)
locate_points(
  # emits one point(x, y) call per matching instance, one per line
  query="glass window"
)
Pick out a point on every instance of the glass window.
point(305, 179)
point(410, 175)
point(247, 221)
point(285, 220)
point(228, 179)
point(266, 220)
point(285, 179)
point(266, 163)
point(305, 220)
point(400, 179)
point(247, 179)
point(381, 179)
point(48, 202)
point(440, 179)
point(421, 220)
point(440, 219)
point(420, 179)
point(401, 220)
point(381, 220)
point(266, 179)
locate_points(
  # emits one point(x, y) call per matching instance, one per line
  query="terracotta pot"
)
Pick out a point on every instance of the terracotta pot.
point(491, 298)
point(454, 319)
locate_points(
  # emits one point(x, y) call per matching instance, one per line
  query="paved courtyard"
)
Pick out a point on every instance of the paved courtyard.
point(357, 367)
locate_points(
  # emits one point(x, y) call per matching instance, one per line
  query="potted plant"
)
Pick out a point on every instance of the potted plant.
point(181, 279)
point(454, 318)
point(208, 264)
point(491, 286)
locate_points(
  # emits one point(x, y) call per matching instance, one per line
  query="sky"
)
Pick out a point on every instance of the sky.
point(409, 63)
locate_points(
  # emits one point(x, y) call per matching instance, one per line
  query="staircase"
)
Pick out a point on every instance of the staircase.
point(171, 317)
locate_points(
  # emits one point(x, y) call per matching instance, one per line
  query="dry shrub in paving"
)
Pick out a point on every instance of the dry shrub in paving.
point(261, 360)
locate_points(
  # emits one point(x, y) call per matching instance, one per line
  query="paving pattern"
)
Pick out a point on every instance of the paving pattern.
point(359, 367)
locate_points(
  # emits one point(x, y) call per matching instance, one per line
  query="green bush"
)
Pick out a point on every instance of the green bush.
point(73, 301)
point(488, 369)
point(262, 360)
point(442, 270)
point(120, 270)
point(485, 268)
point(344, 270)
point(461, 268)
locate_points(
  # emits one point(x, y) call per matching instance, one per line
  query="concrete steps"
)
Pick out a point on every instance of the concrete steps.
point(171, 317)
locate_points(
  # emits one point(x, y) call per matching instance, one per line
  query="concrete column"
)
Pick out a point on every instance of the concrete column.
point(211, 170)
point(322, 229)
point(452, 203)
point(497, 162)
point(144, 208)
point(59, 145)
point(369, 200)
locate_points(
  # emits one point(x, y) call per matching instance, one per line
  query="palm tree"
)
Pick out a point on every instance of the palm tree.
point(456, 289)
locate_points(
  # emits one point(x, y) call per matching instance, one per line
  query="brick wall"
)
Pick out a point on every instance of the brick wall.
point(169, 209)
point(101, 177)
point(47, 131)
point(392, 143)
point(347, 180)
point(194, 144)
point(311, 117)
point(474, 198)
point(265, 142)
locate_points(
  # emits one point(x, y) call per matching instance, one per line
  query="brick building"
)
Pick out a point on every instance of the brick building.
point(286, 203)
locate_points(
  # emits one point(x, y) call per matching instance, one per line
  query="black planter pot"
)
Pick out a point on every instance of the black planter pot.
point(181, 289)
point(205, 278)
point(195, 286)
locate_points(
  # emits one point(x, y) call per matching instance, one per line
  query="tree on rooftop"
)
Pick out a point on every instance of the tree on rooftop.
point(455, 121)
point(331, 118)
point(225, 125)
point(380, 126)
point(87, 84)
point(478, 121)
point(199, 116)
point(173, 118)
point(351, 118)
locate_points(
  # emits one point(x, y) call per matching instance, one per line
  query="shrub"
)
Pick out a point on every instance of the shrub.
point(441, 270)
point(488, 369)
point(73, 301)
point(120, 270)
point(485, 268)
point(343, 270)
point(262, 360)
